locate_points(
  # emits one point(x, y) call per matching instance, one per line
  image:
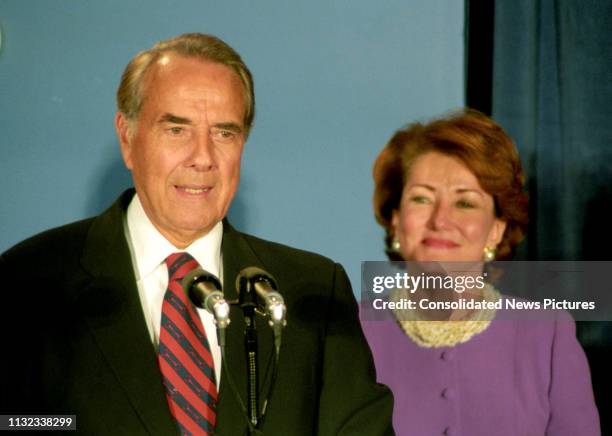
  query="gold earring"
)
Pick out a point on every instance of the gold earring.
point(488, 254)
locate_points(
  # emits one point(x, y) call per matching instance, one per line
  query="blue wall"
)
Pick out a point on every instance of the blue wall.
point(333, 80)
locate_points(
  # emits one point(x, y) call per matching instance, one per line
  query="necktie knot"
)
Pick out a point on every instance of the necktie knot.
point(179, 265)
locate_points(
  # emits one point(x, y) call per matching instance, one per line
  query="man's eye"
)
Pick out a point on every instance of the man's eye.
point(224, 135)
point(176, 130)
point(227, 134)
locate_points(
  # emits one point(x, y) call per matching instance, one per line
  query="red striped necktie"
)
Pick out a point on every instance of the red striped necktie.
point(184, 356)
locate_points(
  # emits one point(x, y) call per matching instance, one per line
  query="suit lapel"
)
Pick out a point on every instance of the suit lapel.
point(238, 254)
point(113, 310)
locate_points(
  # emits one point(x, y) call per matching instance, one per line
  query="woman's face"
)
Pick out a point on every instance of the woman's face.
point(444, 214)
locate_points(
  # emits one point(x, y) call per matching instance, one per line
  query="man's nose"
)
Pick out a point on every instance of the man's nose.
point(202, 155)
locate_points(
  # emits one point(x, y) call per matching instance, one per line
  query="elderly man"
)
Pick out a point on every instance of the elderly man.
point(96, 323)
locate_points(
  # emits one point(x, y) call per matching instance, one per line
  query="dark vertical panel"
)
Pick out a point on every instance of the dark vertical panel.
point(479, 16)
point(552, 93)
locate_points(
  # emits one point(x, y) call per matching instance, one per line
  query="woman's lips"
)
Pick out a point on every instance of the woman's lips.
point(439, 243)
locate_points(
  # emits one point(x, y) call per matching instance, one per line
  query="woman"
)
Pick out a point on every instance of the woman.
point(453, 190)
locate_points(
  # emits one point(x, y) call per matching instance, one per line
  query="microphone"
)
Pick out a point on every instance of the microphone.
point(265, 286)
point(204, 291)
point(254, 284)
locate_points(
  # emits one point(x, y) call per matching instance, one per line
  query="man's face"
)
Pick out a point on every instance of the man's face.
point(184, 150)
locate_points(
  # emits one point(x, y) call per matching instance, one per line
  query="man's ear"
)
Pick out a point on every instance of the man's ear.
point(124, 134)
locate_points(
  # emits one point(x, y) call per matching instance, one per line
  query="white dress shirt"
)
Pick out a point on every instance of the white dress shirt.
point(149, 250)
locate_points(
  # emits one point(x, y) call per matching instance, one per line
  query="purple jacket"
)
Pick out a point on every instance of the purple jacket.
point(516, 378)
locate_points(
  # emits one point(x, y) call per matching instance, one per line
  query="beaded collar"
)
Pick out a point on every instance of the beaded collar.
point(433, 334)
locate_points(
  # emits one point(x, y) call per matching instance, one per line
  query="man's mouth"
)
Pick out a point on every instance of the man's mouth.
point(193, 190)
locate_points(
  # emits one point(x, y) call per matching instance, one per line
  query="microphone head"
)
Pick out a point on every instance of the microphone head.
point(203, 277)
point(254, 274)
point(255, 284)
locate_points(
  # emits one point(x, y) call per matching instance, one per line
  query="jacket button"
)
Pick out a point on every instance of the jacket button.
point(445, 355)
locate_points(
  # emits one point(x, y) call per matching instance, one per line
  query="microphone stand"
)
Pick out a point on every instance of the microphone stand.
point(252, 284)
point(247, 300)
point(204, 291)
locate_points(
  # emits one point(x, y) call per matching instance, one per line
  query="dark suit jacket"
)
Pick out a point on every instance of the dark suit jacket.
point(76, 342)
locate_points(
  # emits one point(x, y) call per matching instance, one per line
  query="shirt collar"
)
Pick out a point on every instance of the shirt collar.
point(151, 248)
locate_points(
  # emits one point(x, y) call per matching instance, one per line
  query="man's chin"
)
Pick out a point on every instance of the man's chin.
point(198, 229)
point(184, 232)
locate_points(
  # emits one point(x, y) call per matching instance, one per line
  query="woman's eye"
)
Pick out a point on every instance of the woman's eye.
point(464, 204)
point(419, 199)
